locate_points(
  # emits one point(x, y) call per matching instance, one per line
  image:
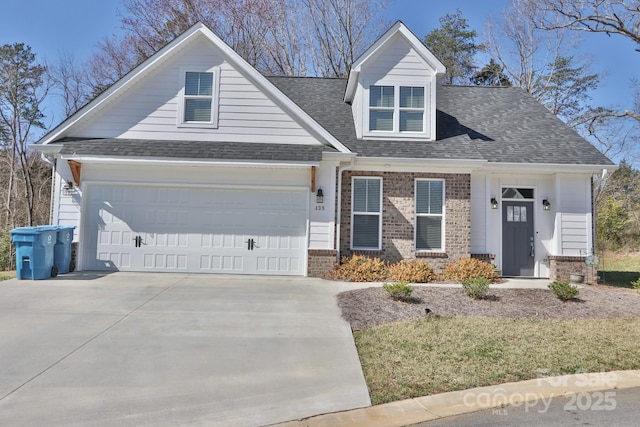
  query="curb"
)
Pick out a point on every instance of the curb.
point(429, 408)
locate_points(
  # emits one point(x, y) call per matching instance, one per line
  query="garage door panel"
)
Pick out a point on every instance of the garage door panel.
point(196, 230)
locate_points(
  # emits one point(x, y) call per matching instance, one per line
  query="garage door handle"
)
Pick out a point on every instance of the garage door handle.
point(251, 244)
point(138, 241)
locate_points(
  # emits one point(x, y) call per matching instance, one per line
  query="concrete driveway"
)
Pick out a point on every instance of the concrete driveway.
point(163, 349)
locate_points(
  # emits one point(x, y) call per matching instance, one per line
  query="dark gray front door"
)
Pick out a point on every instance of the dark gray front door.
point(517, 238)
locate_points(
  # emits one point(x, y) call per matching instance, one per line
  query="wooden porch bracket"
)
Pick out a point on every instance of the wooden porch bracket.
point(75, 171)
point(313, 179)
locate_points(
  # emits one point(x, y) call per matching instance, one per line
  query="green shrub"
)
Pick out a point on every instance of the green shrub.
point(564, 290)
point(476, 287)
point(469, 268)
point(401, 290)
point(412, 270)
point(360, 268)
point(636, 285)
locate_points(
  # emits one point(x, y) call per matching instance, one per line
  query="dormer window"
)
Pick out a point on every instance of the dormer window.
point(381, 108)
point(396, 109)
point(198, 106)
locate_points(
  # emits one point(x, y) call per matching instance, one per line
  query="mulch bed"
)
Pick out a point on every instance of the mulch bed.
point(370, 307)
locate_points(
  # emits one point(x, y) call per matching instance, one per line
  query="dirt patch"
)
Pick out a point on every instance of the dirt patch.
point(366, 308)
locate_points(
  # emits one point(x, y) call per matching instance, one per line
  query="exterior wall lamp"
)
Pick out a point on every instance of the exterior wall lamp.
point(494, 203)
point(319, 196)
point(68, 188)
point(546, 205)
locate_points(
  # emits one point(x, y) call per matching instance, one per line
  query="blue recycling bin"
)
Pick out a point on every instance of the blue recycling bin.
point(62, 248)
point(34, 252)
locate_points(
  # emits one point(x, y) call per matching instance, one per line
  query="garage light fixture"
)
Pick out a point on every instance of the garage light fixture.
point(68, 188)
point(546, 205)
point(494, 203)
point(319, 196)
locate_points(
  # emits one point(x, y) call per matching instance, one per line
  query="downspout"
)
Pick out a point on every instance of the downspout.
point(53, 163)
point(339, 209)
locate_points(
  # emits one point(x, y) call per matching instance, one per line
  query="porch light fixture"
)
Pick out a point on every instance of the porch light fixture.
point(494, 203)
point(546, 205)
point(319, 196)
point(68, 188)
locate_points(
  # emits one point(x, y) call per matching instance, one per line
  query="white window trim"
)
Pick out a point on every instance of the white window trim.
point(358, 248)
point(396, 133)
point(442, 215)
point(215, 97)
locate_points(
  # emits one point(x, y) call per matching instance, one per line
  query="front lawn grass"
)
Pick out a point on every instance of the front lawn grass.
point(619, 268)
point(437, 355)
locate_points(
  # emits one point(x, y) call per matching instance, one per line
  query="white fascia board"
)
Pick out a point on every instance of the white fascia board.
point(341, 157)
point(352, 84)
point(168, 162)
point(121, 85)
point(46, 149)
point(546, 168)
point(413, 40)
point(416, 165)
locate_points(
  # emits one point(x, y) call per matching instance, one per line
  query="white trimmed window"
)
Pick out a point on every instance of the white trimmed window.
point(429, 230)
point(198, 98)
point(366, 213)
point(397, 109)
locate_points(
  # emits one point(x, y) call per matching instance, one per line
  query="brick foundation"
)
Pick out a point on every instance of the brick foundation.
point(562, 267)
point(398, 216)
point(320, 262)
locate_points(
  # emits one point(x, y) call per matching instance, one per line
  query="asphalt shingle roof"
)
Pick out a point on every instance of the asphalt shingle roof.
point(193, 150)
point(495, 124)
point(503, 125)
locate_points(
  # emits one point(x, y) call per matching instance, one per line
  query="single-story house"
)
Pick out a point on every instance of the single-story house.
point(196, 162)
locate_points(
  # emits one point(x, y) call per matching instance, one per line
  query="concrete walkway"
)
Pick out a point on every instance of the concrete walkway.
point(166, 350)
point(532, 392)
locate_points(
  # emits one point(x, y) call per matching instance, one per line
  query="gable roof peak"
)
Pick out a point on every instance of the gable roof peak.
point(397, 28)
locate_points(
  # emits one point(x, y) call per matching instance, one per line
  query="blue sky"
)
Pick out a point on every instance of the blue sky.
point(76, 26)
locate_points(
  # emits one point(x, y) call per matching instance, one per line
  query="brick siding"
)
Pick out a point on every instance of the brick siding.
point(320, 262)
point(562, 267)
point(398, 217)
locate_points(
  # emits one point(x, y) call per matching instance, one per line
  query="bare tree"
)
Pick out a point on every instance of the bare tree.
point(339, 31)
point(69, 83)
point(617, 17)
point(540, 62)
point(282, 37)
point(620, 17)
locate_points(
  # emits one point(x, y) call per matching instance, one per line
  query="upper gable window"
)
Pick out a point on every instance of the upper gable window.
point(198, 100)
point(397, 109)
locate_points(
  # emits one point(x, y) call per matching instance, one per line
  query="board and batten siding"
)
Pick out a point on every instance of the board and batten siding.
point(149, 109)
point(574, 215)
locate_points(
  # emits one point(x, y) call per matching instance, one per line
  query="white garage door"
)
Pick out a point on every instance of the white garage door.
point(243, 231)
